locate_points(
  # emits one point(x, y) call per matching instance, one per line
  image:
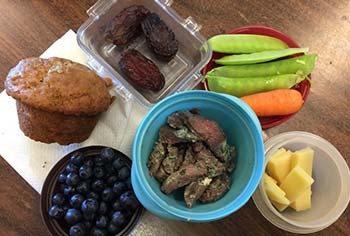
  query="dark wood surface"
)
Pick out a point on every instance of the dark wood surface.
point(27, 28)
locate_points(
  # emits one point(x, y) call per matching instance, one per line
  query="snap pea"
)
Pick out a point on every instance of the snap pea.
point(304, 64)
point(258, 57)
point(244, 43)
point(245, 86)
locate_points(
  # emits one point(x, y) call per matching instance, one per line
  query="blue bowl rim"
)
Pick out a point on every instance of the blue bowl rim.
point(251, 185)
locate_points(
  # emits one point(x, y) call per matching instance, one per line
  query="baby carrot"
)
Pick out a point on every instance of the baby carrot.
point(275, 102)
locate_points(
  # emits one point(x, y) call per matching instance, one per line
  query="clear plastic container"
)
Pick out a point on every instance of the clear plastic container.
point(181, 73)
point(330, 191)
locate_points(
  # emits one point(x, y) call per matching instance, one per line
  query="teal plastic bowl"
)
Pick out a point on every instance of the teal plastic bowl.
point(242, 129)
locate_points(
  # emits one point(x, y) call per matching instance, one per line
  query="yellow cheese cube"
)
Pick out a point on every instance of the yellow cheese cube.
point(304, 159)
point(279, 206)
point(277, 153)
point(267, 178)
point(303, 202)
point(296, 183)
point(279, 167)
point(274, 192)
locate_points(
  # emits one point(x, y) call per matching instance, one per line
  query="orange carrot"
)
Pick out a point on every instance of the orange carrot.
point(275, 102)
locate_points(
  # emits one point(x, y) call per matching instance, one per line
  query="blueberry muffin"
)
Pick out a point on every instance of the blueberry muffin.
point(57, 100)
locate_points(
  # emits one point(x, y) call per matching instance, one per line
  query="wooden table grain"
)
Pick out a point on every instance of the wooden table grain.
point(27, 28)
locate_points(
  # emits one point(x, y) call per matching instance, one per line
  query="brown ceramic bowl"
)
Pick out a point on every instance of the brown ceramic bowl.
point(50, 187)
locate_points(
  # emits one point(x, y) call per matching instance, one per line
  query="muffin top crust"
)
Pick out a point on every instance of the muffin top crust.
point(58, 85)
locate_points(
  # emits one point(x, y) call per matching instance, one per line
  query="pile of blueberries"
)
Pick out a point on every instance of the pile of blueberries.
point(95, 196)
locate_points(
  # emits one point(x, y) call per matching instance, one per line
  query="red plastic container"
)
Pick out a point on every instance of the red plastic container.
point(303, 87)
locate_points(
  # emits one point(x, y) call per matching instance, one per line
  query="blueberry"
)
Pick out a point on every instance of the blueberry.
point(111, 180)
point(76, 200)
point(108, 154)
point(72, 179)
point(85, 172)
point(100, 160)
point(98, 232)
point(90, 205)
point(83, 188)
point(112, 228)
point(89, 163)
point(103, 208)
point(62, 178)
point(118, 164)
point(109, 170)
point(72, 216)
point(124, 173)
point(69, 190)
point(128, 184)
point(107, 195)
point(99, 172)
point(77, 158)
point(118, 188)
point(93, 195)
point(98, 185)
point(71, 168)
point(128, 200)
point(56, 212)
point(87, 224)
point(116, 206)
point(58, 199)
point(89, 216)
point(77, 230)
point(118, 218)
point(102, 221)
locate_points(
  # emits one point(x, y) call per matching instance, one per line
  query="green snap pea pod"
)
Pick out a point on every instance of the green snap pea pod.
point(244, 43)
point(302, 64)
point(258, 57)
point(245, 86)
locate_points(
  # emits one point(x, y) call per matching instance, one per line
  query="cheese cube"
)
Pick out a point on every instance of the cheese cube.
point(267, 178)
point(279, 206)
point(296, 183)
point(277, 153)
point(304, 159)
point(279, 166)
point(303, 202)
point(274, 192)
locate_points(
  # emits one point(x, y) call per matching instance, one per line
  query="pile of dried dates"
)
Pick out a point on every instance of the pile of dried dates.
point(127, 25)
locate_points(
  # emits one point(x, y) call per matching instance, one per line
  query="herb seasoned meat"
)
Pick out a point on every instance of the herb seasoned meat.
point(184, 176)
point(156, 158)
point(195, 189)
point(197, 157)
point(217, 188)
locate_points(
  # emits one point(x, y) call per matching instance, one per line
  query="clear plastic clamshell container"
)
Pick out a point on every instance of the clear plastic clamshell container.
point(181, 73)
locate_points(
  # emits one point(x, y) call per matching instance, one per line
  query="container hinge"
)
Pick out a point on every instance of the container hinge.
point(191, 25)
point(99, 7)
point(166, 2)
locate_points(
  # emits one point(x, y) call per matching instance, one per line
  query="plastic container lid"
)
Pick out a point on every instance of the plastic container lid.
point(331, 175)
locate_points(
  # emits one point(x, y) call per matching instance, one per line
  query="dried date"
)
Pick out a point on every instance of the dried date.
point(126, 25)
point(160, 38)
point(141, 71)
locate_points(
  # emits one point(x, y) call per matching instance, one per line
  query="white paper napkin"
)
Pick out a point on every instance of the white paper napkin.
point(33, 160)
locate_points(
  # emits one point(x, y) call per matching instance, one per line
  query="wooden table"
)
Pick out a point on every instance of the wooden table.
point(27, 28)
